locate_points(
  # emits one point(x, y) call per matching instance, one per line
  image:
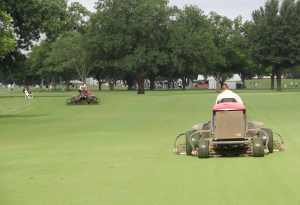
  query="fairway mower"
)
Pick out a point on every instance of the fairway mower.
point(228, 132)
point(83, 98)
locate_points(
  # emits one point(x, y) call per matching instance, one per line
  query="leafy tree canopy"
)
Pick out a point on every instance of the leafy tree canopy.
point(274, 36)
point(7, 39)
point(191, 42)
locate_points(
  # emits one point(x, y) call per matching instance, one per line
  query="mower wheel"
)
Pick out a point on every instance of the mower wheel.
point(258, 147)
point(270, 133)
point(189, 148)
point(203, 150)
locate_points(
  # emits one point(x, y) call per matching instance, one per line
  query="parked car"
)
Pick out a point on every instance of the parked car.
point(240, 86)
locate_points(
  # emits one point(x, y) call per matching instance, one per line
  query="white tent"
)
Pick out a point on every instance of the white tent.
point(75, 81)
point(212, 83)
point(235, 77)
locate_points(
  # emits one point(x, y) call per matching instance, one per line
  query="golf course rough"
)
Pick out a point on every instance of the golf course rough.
point(121, 151)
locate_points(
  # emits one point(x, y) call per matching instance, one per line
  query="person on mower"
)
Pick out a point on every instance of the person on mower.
point(227, 95)
point(82, 88)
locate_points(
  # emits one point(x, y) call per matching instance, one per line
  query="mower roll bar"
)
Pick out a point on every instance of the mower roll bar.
point(176, 140)
point(282, 141)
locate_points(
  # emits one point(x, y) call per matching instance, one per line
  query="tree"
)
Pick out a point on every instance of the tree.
point(97, 73)
point(225, 57)
point(32, 18)
point(131, 36)
point(50, 65)
point(106, 40)
point(274, 36)
point(292, 72)
point(191, 42)
point(25, 73)
point(71, 54)
point(7, 39)
point(38, 68)
point(239, 60)
point(48, 59)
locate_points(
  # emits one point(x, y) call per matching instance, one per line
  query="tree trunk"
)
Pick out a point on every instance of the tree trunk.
point(115, 81)
point(151, 75)
point(68, 84)
point(134, 84)
point(272, 79)
point(83, 79)
point(129, 81)
point(26, 82)
point(99, 81)
point(151, 84)
point(42, 83)
point(60, 81)
point(222, 81)
point(53, 83)
point(218, 81)
point(141, 85)
point(278, 76)
point(169, 83)
point(125, 82)
point(152, 80)
point(183, 82)
point(111, 86)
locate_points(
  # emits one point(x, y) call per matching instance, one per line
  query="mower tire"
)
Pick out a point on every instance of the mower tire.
point(258, 147)
point(203, 149)
point(270, 133)
point(189, 148)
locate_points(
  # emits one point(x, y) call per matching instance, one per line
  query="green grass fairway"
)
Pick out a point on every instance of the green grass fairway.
point(121, 152)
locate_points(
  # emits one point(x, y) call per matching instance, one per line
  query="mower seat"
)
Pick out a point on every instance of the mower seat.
point(224, 100)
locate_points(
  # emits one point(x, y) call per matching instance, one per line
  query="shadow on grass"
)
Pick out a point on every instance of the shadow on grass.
point(35, 96)
point(9, 96)
point(12, 116)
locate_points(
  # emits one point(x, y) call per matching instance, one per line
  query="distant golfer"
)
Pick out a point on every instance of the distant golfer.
point(226, 93)
point(8, 87)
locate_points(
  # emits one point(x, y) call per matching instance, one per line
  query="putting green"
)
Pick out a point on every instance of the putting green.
point(120, 152)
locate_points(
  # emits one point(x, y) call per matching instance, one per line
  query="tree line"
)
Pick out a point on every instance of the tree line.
point(134, 40)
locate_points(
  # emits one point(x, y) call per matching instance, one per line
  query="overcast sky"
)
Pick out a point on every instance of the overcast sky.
point(229, 8)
